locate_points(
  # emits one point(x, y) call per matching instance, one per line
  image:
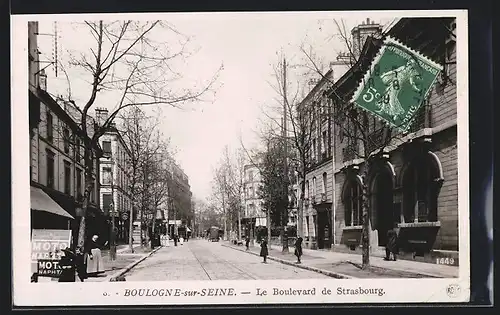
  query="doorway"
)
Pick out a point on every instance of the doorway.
point(382, 201)
point(324, 229)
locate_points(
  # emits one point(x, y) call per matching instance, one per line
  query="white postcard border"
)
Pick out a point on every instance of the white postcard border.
point(112, 293)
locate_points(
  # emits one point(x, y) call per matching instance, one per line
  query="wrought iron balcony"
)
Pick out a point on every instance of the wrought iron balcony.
point(422, 119)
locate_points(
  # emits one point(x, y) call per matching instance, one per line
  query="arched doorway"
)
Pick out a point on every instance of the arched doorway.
point(421, 180)
point(383, 216)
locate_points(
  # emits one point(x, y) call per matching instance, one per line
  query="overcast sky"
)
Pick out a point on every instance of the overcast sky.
point(247, 45)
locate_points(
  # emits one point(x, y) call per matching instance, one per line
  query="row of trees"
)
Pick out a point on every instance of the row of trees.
point(229, 190)
point(303, 113)
point(149, 172)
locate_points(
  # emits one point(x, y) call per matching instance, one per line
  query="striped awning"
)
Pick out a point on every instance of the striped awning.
point(40, 201)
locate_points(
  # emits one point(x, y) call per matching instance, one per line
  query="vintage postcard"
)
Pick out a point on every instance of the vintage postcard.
point(240, 158)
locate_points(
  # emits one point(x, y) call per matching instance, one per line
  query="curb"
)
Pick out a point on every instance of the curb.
point(123, 271)
point(417, 273)
point(286, 262)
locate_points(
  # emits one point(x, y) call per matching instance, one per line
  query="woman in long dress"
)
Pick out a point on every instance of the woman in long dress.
point(298, 249)
point(94, 257)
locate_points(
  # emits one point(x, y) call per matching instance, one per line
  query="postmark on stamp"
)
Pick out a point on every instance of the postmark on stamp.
point(396, 84)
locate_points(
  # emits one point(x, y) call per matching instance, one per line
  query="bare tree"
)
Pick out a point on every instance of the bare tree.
point(127, 62)
point(366, 136)
point(137, 130)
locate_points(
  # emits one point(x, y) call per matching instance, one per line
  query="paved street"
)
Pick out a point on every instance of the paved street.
point(203, 260)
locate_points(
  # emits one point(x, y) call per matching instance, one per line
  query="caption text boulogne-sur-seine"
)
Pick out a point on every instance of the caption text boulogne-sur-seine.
point(258, 292)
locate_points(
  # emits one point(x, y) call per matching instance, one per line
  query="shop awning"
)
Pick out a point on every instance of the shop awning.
point(40, 201)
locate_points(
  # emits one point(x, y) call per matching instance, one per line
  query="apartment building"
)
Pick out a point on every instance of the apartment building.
point(114, 170)
point(57, 173)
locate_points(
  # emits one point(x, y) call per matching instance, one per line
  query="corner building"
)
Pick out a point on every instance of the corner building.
point(412, 183)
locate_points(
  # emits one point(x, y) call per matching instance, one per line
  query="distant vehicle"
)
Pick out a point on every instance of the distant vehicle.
point(213, 234)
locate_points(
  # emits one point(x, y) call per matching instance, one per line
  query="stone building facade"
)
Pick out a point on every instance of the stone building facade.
point(56, 156)
point(114, 170)
point(317, 214)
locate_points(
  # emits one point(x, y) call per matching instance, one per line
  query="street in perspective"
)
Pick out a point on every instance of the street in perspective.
point(222, 148)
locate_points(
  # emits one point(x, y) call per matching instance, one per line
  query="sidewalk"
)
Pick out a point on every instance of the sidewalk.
point(123, 259)
point(343, 265)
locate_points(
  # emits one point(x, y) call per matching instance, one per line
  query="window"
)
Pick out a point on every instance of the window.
point(66, 139)
point(353, 203)
point(106, 176)
point(107, 200)
point(314, 187)
point(106, 147)
point(251, 192)
point(67, 177)
point(50, 169)
point(324, 183)
point(325, 142)
point(250, 176)
point(420, 192)
point(78, 157)
point(79, 182)
point(50, 127)
point(314, 148)
point(307, 225)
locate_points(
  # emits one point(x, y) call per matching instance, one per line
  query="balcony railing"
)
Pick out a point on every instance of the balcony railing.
point(422, 119)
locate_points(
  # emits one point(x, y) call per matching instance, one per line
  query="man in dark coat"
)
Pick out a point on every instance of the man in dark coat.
point(298, 249)
point(67, 264)
point(263, 250)
point(391, 247)
point(81, 267)
point(247, 242)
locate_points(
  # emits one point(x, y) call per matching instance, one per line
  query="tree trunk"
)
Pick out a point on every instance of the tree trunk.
point(142, 226)
point(365, 236)
point(131, 230)
point(89, 185)
point(300, 211)
point(239, 224)
point(268, 224)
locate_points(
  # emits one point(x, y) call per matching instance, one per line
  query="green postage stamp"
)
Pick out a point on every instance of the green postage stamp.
point(398, 81)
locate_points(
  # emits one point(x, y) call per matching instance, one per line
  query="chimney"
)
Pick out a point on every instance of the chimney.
point(368, 21)
point(101, 114)
point(42, 80)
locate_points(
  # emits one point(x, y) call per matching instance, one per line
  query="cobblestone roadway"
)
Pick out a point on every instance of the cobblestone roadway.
point(203, 260)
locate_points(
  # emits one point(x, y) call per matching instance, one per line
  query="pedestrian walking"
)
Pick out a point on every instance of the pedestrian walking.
point(175, 240)
point(94, 260)
point(263, 251)
point(298, 249)
point(391, 247)
point(247, 242)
